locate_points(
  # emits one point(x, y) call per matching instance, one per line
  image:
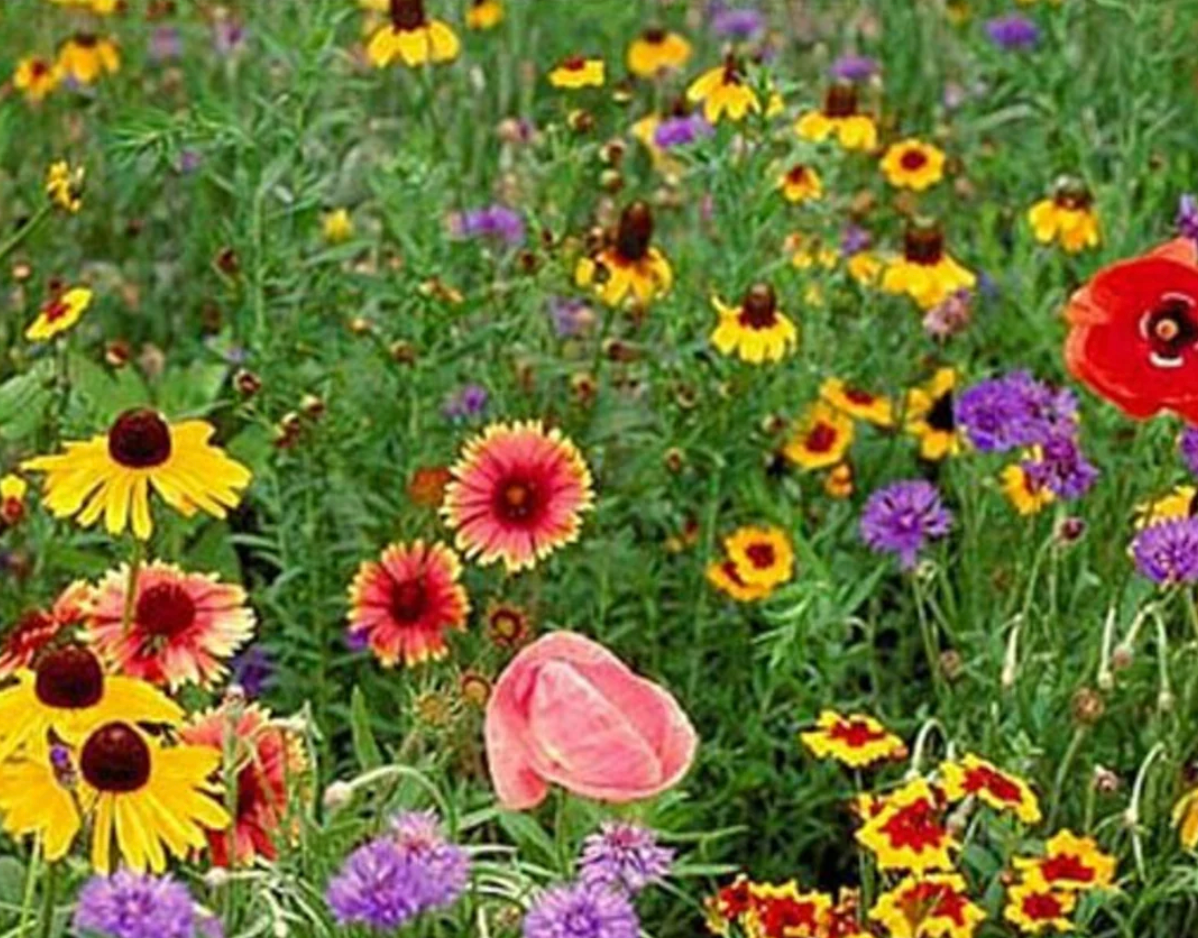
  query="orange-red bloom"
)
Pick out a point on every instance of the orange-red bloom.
point(908, 833)
point(1000, 790)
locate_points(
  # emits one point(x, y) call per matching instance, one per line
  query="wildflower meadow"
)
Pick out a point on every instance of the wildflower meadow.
point(598, 468)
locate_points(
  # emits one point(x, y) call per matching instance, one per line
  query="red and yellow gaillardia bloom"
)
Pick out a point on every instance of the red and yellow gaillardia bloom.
point(37, 630)
point(1024, 494)
point(821, 439)
point(839, 119)
point(111, 475)
point(59, 313)
point(925, 271)
point(856, 740)
point(184, 626)
point(657, 51)
point(972, 776)
point(412, 38)
point(518, 494)
point(930, 418)
point(85, 57)
point(1070, 863)
point(908, 832)
point(763, 556)
point(268, 762)
point(913, 164)
point(725, 576)
point(578, 71)
point(36, 77)
point(858, 403)
point(484, 14)
point(933, 906)
point(785, 911)
point(1034, 908)
point(800, 184)
point(402, 605)
point(13, 490)
point(1067, 217)
point(756, 331)
point(629, 266)
point(724, 92)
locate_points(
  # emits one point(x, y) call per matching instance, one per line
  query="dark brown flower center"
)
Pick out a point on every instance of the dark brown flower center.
point(1072, 194)
point(69, 678)
point(655, 35)
point(821, 438)
point(165, 609)
point(575, 63)
point(759, 308)
point(55, 310)
point(40, 68)
point(840, 100)
point(913, 159)
point(115, 759)
point(940, 417)
point(857, 396)
point(86, 40)
point(407, 15)
point(139, 439)
point(797, 175)
point(409, 600)
point(923, 243)
point(634, 231)
point(1170, 329)
point(732, 72)
point(762, 556)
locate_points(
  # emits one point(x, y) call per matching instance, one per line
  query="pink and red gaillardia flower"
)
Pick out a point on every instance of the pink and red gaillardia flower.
point(402, 606)
point(185, 626)
point(567, 711)
point(517, 495)
point(1133, 335)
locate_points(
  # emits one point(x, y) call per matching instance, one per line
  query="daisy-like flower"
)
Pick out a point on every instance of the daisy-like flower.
point(908, 833)
point(913, 164)
point(85, 57)
point(657, 51)
point(582, 911)
point(763, 556)
point(925, 271)
point(1014, 410)
point(971, 776)
point(785, 911)
point(13, 490)
point(624, 856)
point(1060, 466)
point(821, 438)
point(724, 91)
point(1035, 909)
point(337, 226)
point(1070, 864)
point(857, 403)
point(725, 576)
point(484, 14)
point(756, 331)
point(1167, 552)
point(138, 905)
point(402, 605)
point(800, 184)
point(629, 266)
point(111, 475)
point(856, 740)
point(902, 517)
point(184, 626)
point(59, 313)
point(839, 119)
point(930, 417)
point(508, 626)
point(64, 185)
point(1022, 490)
point(36, 77)
point(1067, 216)
point(933, 906)
point(412, 38)
point(578, 71)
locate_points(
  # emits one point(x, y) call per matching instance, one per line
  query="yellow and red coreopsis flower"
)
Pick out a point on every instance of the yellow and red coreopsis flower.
point(85, 57)
point(36, 77)
point(801, 183)
point(484, 14)
point(855, 740)
point(402, 606)
point(913, 164)
point(756, 331)
point(785, 911)
point(1034, 908)
point(839, 119)
point(858, 403)
point(628, 266)
point(64, 185)
point(929, 417)
point(973, 776)
point(12, 499)
point(724, 91)
point(1028, 497)
point(59, 313)
point(1067, 217)
point(656, 51)
point(578, 71)
point(822, 437)
point(762, 556)
point(908, 832)
point(725, 576)
point(838, 483)
point(933, 906)
point(843, 920)
point(925, 271)
point(412, 38)
point(1070, 863)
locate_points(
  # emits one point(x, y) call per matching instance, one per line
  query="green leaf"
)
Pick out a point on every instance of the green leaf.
point(528, 836)
point(365, 747)
point(23, 401)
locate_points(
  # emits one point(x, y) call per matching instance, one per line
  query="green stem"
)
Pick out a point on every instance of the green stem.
point(1058, 784)
point(47, 918)
point(30, 881)
point(25, 230)
point(131, 586)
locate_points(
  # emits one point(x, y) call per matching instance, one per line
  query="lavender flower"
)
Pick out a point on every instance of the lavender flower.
point(136, 905)
point(902, 517)
point(736, 23)
point(1015, 411)
point(1013, 32)
point(681, 130)
point(1167, 552)
point(419, 838)
point(228, 35)
point(253, 670)
point(949, 317)
point(853, 67)
point(468, 401)
point(570, 316)
point(854, 240)
point(1187, 444)
point(582, 911)
point(496, 222)
point(1060, 465)
point(1187, 217)
point(624, 856)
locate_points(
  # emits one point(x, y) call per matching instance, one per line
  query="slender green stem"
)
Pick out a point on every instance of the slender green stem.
point(1058, 784)
point(131, 585)
point(25, 230)
point(30, 882)
point(47, 918)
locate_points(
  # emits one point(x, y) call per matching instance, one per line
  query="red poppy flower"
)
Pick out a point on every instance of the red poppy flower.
point(1134, 332)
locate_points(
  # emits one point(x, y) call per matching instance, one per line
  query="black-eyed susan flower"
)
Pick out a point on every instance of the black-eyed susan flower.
point(484, 14)
point(724, 91)
point(930, 418)
point(763, 556)
point(932, 906)
point(908, 832)
point(913, 164)
point(656, 51)
point(578, 71)
point(64, 185)
point(337, 226)
point(507, 625)
point(724, 575)
point(839, 119)
point(1070, 863)
point(1002, 791)
point(801, 183)
point(85, 57)
point(111, 475)
point(518, 493)
point(756, 331)
point(1027, 495)
point(59, 313)
point(36, 77)
point(1036, 909)
point(821, 438)
point(411, 37)
point(402, 606)
point(629, 265)
point(925, 271)
point(856, 740)
point(1067, 216)
point(857, 402)
point(13, 490)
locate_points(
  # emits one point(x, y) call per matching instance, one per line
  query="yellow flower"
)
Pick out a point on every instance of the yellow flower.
point(12, 499)
point(862, 405)
point(857, 740)
point(821, 438)
point(578, 72)
point(112, 474)
point(913, 164)
point(484, 14)
point(839, 482)
point(1026, 497)
point(785, 911)
point(907, 832)
point(809, 253)
point(59, 314)
point(929, 417)
point(337, 226)
point(64, 185)
point(756, 331)
point(656, 51)
point(865, 268)
point(629, 265)
point(1034, 908)
point(36, 77)
point(1185, 819)
point(724, 576)
point(763, 556)
point(800, 184)
point(85, 57)
point(1070, 863)
point(412, 38)
point(926, 272)
point(973, 776)
point(1067, 217)
point(99, 7)
point(934, 906)
point(723, 91)
point(1182, 502)
point(839, 119)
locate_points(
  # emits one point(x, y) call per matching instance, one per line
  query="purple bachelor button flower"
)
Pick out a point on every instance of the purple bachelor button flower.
point(570, 316)
point(1187, 444)
point(468, 401)
point(949, 317)
point(1060, 465)
point(902, 517)
point(1187, 217)
point(228, 34)
point(853, 67)
point(736, 22)
point(624, 856)
point(253, 671)
point(496, 222)
point(419, 837)
point(1167, 552)
point(854, 240)
point(681, 131)
point(136, 905)
point(1013, 32)
point(582, 911)
point(165, 44)
point(1013, 411)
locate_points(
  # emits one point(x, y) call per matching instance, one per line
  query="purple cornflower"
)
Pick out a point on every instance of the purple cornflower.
point(377, 886)
point(492, 221)
point(1167, 552)
point(736, 22)
point(228, 35)
point(165, 44)
point(419, 838)
point(1013, 32)
point(681, 130)
point(189, 161)
point(582, 911)
point(902, 517)
point(253, 671)
point(624, 855)
point(1187, 444)
point(1013, 411)
point(570, 316)
point(1060, 465)
point(137, 905)
point(853, 67)
point(1187, 217)
point(949, 317)
point(854, 240)
point(468, 401)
